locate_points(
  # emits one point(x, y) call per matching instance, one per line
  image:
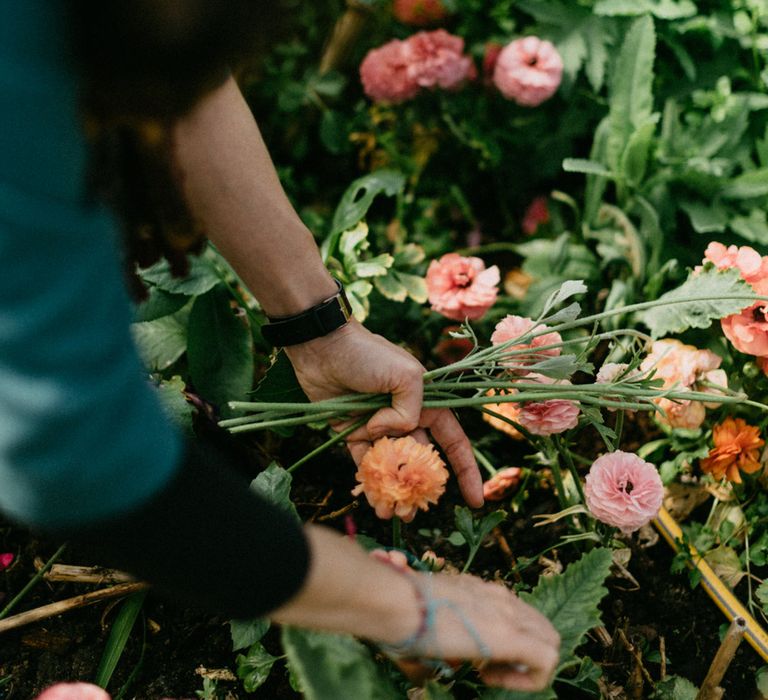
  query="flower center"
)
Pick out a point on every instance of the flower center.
point(628, 486)
point(758, 314)
point(462, 279)
point(532, 60)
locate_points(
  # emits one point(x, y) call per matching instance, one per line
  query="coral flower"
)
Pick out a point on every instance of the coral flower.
point(535, 215)
point(436, 59)
point(528, 71)
point(74, 691)
point(385, 76)
point(507, 409)
point(419, 13)
point(748, 329)
point(623, 490)
point(460, 287)
point(400, 475)
point(737, 447)
point(686, 367)
point(511, 327)
point(752, 266)
point(501, 482)
point(549, 417)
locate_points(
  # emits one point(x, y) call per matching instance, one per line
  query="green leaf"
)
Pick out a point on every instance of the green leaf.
point(373, 267)
point(635, 156)
point(334, 134)
point(589, 167)
point(675, 688)
point(475, 531)
point(710, 283)
point(567, 289)
point(753, 227)
point(274, 485)
point(254, 667)
point(356, 201)
point(499, 694)
point(160, 303)
point(357, 294)
point(160, 342)
point(175, 403)
point(753, 183)
point(631, 99)
point(220, 349)
point(570, 600)
point(331, 666)
point(201, 278)
point(279, 384)
point(247, 632)
point(663, 9)
point(409, 255)
point(390, 287)
point(118, 637)
point(761, 679)
point(706, 218)
point(761, 593)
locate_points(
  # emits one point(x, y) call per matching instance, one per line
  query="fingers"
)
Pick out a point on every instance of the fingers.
point(403, 415)
point(448, 433)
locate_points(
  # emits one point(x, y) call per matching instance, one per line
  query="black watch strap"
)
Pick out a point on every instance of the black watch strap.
point(315, 322)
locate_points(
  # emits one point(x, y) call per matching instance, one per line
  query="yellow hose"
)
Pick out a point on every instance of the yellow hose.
point(712, 584)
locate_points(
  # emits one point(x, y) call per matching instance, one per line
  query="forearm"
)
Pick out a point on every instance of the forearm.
point(233, 190)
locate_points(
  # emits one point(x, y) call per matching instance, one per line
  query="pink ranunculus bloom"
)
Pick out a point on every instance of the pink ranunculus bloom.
point(536, 214)
point(748, 329)
point(385, 75)
point(436, 59)
point(549, 417)
point(686, 367)
point(752, 266)
point(501, 482)
point(6, 559)
point(460, 287)
point(511, 327)
point(528, 71)
point(74, 691)
point(623, 490)
point(419, 13)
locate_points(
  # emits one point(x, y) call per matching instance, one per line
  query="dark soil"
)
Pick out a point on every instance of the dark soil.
point(176, 641)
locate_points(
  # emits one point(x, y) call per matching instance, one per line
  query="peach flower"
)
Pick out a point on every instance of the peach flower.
point(748, 329)
point(686, 367)
point(400, 475)
point(528, 71)
point(432, 561)
point(74, 691)
point(509, 410)
point(737, 448)
point(419, 13)
point(461, 288)
point(752, 266)
point(535, 215)
point(436, 59)
point(385, 76)
point(623, 490)
point(501, 482)
point(511, 327)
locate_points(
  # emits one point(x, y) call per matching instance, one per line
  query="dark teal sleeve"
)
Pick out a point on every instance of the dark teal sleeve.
point(82, 436)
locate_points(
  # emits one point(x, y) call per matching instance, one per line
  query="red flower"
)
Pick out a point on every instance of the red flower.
point(535, 215)
point(419, 13)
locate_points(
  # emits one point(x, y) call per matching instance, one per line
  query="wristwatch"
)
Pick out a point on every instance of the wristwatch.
point(317, 321)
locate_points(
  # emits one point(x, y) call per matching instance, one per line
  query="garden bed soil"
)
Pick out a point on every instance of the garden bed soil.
point(179, 642)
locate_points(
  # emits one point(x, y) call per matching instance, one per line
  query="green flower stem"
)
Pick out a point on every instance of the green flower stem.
point(516, 426)
point(338, 437)
point(397, 534)
point(618, 428)
point(558, 475)
point(563, 450)
point(284, 422)
point(482, 459)
point(348, 405)
point(33, 581)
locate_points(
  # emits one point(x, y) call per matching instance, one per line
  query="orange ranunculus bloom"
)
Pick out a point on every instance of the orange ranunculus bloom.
point(737, 447)
point(400, 475)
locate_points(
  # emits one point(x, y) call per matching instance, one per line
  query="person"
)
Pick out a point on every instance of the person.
point(85, 451)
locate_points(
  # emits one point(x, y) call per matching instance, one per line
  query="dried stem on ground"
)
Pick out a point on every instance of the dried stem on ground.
point(710, 689)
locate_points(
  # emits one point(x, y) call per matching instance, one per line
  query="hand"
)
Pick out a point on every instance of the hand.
point(352, 359)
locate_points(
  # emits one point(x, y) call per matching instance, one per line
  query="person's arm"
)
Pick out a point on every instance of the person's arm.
point(232, 188)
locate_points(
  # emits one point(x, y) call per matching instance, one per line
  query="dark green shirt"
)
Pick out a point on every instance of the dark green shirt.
point(82, 435)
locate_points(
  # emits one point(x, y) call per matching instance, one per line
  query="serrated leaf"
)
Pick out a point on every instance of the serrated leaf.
point(570, 600)
point(588, 167)
point(631, 99)
point(219, 349)
point(253, 668)
point(201, 278)
point(356, 201)
point(663, 9)
point(753, 227)
point(753, 183)
point(761, 593)
point(331, 666)
point(675, 688)
point(160, 342)
point(676, 312)
point(706, 218)
point(274, 485)
point(247, 632)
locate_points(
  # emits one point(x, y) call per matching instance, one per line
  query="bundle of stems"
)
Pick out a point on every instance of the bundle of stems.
point(507, 373)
